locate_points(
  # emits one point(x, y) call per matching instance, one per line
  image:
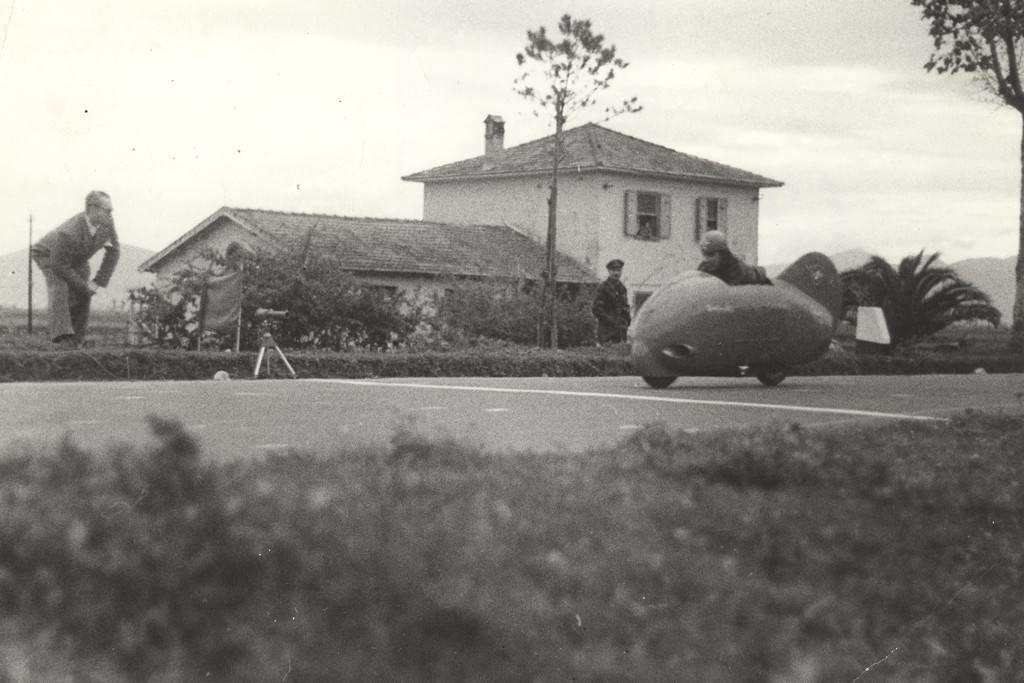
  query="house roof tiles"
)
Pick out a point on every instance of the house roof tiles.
point(591, 148)
point(382, 245)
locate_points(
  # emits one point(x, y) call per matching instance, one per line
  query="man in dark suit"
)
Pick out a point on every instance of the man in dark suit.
point(63, 255)
point(611, 306)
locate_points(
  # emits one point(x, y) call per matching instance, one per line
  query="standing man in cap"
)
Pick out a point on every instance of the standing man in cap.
point(63, 255)
point(611, 306)
point(725, 265)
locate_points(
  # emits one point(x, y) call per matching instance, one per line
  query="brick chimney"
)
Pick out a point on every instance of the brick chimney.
point(494, 135)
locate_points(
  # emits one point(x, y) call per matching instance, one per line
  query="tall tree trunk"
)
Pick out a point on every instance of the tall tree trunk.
point(1017, 335)
point(551, 295)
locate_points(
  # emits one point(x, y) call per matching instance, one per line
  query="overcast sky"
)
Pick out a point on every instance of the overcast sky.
point(178, 108)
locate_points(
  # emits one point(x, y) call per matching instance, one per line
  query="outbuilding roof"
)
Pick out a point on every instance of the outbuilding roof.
point(394, 246)
point(591, 148)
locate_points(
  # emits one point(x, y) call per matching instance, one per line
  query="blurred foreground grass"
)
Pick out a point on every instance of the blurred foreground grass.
point(774, 554)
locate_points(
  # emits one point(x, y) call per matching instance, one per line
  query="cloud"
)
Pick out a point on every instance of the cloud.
point(178, 108)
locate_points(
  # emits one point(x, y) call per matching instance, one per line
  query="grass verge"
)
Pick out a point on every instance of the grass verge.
point(773, 554)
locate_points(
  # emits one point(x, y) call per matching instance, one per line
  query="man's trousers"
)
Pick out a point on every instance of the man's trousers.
point(69, 308)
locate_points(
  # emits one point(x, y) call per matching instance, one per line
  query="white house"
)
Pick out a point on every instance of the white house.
point(618, 197)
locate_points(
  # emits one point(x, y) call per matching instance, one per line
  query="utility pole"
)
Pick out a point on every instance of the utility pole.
point(30, 273)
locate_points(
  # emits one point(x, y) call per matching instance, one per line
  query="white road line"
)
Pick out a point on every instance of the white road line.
point(496, 410)
point(629, 397)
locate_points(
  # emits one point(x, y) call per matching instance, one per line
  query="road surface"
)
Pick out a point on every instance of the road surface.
point(244, 417)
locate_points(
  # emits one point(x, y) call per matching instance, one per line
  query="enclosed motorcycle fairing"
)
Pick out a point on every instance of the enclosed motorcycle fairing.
point(697, 325)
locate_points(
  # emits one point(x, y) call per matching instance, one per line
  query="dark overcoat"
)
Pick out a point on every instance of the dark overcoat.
point(611, 308)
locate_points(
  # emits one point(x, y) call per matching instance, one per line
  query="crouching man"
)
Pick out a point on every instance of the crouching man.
point(725, 265)
point(63, 256)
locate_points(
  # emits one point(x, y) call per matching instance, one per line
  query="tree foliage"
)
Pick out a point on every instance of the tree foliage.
point(981, 37)
point(562, 77)
point(565, 75)
point(985, 38)
point(919, 297)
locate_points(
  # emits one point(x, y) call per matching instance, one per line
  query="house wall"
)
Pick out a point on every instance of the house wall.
point(217, 237)
point(591, 214)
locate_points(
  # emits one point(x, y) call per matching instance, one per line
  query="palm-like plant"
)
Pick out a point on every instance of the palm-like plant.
point(919, 297)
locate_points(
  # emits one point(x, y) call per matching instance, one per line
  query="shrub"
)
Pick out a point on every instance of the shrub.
point(328, 308)
point(511, 312)
point(128, 555)
point(166, 316)
point(773, 554)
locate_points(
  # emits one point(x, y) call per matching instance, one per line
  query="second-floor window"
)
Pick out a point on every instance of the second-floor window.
point(648, 215)
point(712, 214)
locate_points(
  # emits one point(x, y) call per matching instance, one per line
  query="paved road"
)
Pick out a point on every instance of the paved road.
point(242, 417)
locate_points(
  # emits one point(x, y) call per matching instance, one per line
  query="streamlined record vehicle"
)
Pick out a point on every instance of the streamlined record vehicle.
point(697, 325)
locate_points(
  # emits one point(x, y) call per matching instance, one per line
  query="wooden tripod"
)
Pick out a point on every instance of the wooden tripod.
point(266, 342)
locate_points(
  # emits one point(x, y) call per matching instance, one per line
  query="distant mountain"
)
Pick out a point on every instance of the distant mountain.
point(14, 281)
point(844, 260)
point(994, 276)
point(852, 258)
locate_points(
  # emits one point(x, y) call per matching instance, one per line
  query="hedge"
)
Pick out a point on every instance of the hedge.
point(511, 361)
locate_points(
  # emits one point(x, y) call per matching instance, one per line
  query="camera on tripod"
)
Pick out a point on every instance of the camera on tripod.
point(269, 314)
point(265, 317)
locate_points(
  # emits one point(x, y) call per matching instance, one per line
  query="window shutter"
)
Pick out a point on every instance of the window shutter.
point(666, 216)
point(723, 214)
point(699, 213)
point(629, 225)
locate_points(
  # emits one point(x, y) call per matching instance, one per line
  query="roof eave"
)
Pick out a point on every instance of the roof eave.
point(486, 175)
point(449, 273)
point(156, 259)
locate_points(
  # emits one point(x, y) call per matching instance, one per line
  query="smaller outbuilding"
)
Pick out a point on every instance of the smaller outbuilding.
point(409, 255)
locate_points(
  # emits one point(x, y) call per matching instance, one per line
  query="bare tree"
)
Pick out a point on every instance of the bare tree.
point(562, 78)
point(985, 38)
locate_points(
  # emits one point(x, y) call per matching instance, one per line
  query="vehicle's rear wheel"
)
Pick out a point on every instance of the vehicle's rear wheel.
point(659, 382)
point(771, 378)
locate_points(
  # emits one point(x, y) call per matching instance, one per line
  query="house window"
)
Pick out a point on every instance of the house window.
point(711, 214)
point(648, 215)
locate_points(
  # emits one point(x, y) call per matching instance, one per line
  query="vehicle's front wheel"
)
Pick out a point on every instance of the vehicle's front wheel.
point(659, 382)
point(771, 378)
